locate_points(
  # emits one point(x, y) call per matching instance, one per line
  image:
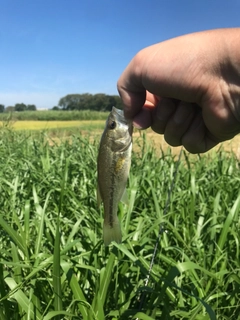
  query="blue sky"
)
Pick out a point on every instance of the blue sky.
point(50, 48)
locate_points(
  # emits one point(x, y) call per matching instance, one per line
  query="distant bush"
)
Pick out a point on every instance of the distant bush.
point(52, 115)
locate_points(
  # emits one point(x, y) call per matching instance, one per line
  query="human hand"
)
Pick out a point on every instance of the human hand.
point(187, 88)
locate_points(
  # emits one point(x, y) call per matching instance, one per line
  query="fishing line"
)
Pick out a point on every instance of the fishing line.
point(161, 230)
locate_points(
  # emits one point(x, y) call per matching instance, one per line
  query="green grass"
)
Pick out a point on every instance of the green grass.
point(50, 115)
point(53, 264)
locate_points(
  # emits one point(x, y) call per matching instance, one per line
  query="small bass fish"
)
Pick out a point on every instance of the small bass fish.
point(113, 165)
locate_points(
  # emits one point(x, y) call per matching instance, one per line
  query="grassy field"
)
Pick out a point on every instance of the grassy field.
point(86, 125)
point(50, 115)
point(58, 130)
point(53, 264)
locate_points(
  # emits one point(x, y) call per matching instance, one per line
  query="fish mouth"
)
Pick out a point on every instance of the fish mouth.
point(120, 115)
point(118, 112)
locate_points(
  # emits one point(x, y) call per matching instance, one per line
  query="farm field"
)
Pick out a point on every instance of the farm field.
point(53, 264)
point(60, 129)
point(87, 125)
point(50, 115)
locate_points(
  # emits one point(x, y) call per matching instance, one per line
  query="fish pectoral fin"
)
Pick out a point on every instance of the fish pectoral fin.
point(124, 198)
point(99, 198)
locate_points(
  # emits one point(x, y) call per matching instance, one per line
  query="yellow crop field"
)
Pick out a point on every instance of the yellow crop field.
point(45, 125)
point(40, 125)
point(95, 127)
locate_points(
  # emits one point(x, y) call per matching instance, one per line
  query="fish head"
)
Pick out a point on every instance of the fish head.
point(118, 130)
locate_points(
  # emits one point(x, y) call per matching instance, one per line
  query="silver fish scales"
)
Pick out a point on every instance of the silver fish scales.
point(113, 165)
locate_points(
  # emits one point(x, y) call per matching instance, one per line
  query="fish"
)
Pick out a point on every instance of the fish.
point(113, 166)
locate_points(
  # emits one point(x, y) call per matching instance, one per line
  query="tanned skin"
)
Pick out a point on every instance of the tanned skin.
point(187, 88)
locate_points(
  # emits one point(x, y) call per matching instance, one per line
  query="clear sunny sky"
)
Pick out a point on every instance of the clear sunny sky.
point(50, 48)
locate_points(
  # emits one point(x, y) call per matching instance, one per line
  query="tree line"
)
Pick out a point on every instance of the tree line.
point(85, 101)
point(18, 107)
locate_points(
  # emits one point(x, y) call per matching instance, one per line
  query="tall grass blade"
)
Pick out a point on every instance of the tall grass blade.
point(56, 272)
point(5, 311)
point(58, 315)
point(14, 236)
point(227, 223)
point(142, 316)
point(22, 299)
point(78, 294)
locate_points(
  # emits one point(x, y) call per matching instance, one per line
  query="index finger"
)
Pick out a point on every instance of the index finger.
point(131, 89)
point(151, 100)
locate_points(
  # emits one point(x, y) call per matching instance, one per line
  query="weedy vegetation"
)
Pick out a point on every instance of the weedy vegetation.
point(53, 264)
point(51, 115)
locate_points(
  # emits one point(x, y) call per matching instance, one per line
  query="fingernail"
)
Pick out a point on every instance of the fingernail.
point(137, 125)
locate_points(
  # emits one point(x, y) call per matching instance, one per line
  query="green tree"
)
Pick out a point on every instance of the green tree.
point(87, 101)
point(117, 102)
point(98, 102)
point(31, 107)
point(70, 102)
point(20, 107)
point(10, 109)
point(2, 108)
point(56, 108)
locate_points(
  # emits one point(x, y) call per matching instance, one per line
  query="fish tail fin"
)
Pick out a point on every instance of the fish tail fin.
point(111, 231)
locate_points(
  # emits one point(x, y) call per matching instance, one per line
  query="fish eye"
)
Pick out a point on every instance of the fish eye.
point(112, 125)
